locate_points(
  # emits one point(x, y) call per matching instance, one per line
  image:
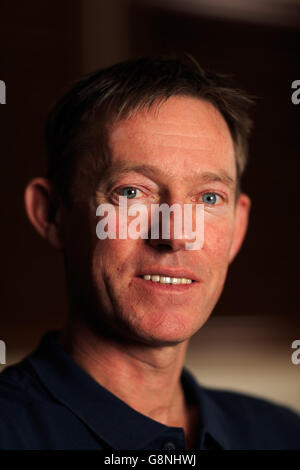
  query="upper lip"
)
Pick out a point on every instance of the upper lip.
point(169, 271)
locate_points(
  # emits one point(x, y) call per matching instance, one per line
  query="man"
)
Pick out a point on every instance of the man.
point(155, 131)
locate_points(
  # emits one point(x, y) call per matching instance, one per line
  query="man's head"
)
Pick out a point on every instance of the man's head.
point(170, 133)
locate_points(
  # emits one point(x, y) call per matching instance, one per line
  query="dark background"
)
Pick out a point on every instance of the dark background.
point(44, 45)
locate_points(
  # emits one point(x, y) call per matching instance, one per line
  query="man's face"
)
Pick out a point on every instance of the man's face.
point(182, 153)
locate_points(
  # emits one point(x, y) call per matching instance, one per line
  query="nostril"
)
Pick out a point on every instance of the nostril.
point(162, 247)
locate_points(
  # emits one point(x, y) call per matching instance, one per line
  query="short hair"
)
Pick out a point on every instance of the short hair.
point(77, 125)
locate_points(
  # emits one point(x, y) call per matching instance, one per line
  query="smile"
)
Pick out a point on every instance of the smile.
point(167, 279)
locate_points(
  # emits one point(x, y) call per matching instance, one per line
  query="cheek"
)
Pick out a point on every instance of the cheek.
point(112, 259)
point(217, 243)
point(216, 248)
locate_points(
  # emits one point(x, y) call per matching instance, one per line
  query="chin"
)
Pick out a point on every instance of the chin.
point(157, 341)
point(168, 332)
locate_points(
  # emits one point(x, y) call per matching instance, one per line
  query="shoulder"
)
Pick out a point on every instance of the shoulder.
point(259, 422)
point(19, 385)
point(24, 406)
point(14, 405)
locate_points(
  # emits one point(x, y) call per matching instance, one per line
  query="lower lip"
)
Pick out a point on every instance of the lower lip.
point(168, 288)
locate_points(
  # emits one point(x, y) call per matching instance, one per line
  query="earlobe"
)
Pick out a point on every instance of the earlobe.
point(242, 211)
point(39, 204)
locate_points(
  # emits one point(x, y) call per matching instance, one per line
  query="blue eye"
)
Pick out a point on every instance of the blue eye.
point(210, 198)
point(129, 192)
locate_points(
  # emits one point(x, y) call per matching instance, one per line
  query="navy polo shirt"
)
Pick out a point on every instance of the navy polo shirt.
point(47, 401)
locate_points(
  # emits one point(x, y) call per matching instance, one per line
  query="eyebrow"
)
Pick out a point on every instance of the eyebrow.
point(211, 177)
point(113, 173)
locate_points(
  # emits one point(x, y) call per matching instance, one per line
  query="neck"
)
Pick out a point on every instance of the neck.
point(146, 378)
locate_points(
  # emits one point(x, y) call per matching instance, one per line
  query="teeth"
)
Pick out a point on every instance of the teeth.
point(167, 279)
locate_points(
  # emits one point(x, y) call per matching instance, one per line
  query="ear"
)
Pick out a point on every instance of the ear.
point(242, 209)
point(41, 204)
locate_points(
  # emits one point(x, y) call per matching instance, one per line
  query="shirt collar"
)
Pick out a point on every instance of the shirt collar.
point(213, 420)
point(104, 413)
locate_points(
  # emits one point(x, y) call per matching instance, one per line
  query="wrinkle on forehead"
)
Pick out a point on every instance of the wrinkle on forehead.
point(178, 117)
point(204, 141)
point(183, 127)
point(176, 141)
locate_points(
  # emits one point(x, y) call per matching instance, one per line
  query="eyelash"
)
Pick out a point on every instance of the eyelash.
point(120, 188)
point(222, 197)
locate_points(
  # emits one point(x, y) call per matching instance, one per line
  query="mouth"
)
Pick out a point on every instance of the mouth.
point(164, 279)
point(167, 279)
point(165, 284)
point(173, 275)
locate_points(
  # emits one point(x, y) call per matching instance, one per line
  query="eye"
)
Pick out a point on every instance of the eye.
point(210, 198)
point(129, 192)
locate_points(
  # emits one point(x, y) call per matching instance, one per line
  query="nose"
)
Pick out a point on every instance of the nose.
point(168, 226)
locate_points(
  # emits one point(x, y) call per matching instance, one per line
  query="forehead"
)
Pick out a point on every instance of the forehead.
point(179, 135)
